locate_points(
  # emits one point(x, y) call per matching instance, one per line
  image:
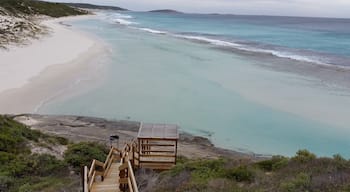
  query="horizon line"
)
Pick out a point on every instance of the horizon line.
point(210, 13)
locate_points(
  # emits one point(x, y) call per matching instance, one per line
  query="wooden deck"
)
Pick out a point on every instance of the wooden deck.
point(157, 146)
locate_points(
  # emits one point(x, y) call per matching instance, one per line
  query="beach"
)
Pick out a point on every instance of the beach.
point(273, 95)
point(31, 74)
point(243, 76)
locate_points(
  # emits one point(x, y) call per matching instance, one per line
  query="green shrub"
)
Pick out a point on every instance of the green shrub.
point(300, 183)
point(36, 165)
point(204, 170)
point(181, 159)
point(19, 169)
point(241, 173)
point(6, 182)
point(57, 140)
point(81, 154)
point(43, 184)
point(33, 7)
point(177, 169)
point(46, 165)
point(345, 188)
point(13, 136)
point(304, 156)
point(275, 163)
point(338, 157)
point(340, 161)
point(201, 170)
point(62, 140)
point(5, 158)
point(28, 170)
point(10, 135)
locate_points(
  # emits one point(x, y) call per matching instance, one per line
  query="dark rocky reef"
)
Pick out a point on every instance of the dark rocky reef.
point(165, 11)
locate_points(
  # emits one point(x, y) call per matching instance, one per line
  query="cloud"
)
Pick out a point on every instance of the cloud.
point(323, 8)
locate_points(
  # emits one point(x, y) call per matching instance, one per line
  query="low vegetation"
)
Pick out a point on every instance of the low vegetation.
point(33, 7)
point(303, 172)
point(92, 6)
point(19, 19)
point(80, 154)
point(23, 170)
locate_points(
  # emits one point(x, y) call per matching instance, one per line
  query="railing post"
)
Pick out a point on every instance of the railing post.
point(139, 151)
point(82, 177)
point(133, 155)
point(175, 152)
point(123, 174)
point(85, 179)
point(131, 176)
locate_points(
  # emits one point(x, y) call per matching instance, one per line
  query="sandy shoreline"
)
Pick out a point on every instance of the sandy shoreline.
point(32, 74)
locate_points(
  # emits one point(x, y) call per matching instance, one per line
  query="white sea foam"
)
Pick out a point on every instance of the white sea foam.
point(281, 54)
point(295, 57)
point(124, 19)
point(208, 40)
point(284, 54)
point(153, 31)
point(125, 22)
point(123, 16)
point(116, 18)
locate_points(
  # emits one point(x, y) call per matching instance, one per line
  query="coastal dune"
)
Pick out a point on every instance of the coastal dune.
point(32, 73)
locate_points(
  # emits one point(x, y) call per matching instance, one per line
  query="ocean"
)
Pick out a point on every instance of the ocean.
point(268, 85)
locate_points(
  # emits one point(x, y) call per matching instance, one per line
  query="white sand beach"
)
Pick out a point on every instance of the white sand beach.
point(30, 74)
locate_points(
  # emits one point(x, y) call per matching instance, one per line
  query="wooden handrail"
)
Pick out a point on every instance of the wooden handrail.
point(99, 163)
point(85, 181)
point(92, 168)
point(132, 177)
point(91, 173)
point(126, 156)
point(123, 166)
point(127, 176)
point(92, 180)
point(134, 154)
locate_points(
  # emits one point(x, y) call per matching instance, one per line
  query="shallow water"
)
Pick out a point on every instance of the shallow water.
point(224, 96)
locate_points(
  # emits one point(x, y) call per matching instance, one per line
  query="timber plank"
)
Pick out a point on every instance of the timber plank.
point(110, 182)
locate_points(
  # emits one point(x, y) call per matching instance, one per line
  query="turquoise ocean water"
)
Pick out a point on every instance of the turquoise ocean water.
point(206, 73)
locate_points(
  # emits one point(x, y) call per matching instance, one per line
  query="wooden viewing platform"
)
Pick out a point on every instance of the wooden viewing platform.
point(157, 145)
point(154, 148)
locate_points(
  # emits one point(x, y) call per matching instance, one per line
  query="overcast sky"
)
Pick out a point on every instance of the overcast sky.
point(321, 8)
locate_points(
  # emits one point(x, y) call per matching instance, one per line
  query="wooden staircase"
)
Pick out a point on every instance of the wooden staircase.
point(111, 181)
point(117, 172)
point(114, 175)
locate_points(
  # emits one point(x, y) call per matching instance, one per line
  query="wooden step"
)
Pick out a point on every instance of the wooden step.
point(110, 182)
point(106, 189)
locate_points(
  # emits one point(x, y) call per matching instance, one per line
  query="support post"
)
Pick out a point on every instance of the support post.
point(175, 151)
point(84, 178)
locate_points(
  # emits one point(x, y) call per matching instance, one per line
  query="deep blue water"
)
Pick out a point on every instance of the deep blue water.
point(320, 40)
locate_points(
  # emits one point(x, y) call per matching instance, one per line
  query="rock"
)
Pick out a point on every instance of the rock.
point(78, 128)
